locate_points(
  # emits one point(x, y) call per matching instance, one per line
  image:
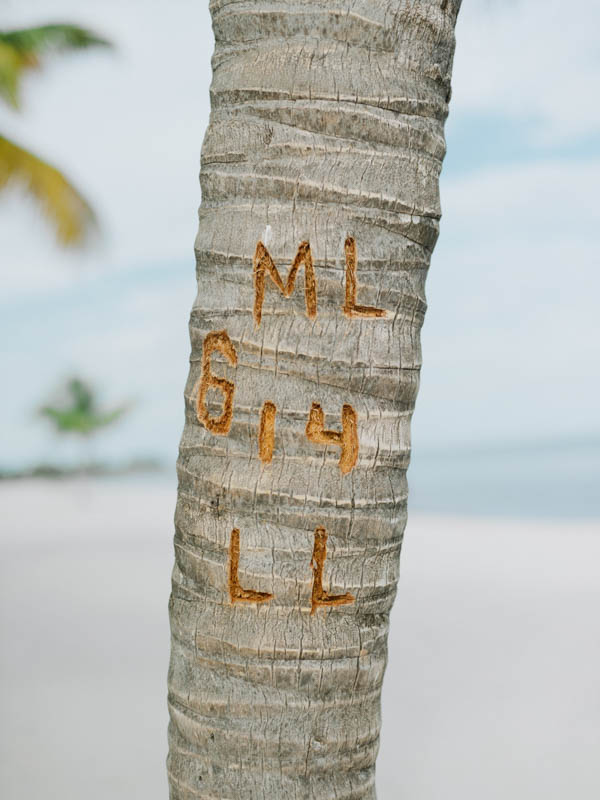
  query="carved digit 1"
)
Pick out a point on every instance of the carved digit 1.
point(266, 432)
point(217, 340)
point(236, 593)
point(347, 439)
point(319, 596)
point(351, 309)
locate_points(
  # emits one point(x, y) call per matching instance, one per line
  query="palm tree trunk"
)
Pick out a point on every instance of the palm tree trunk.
point(319, 214)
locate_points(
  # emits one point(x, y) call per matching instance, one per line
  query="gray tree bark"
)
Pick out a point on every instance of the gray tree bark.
point(319, 214)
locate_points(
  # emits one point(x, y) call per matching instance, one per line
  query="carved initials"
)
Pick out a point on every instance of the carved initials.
point(236, 593)
point(319, 596)
point(264, 265)
point(216, 340)
point(347, 439)
point(266, 432)
point(350, 307)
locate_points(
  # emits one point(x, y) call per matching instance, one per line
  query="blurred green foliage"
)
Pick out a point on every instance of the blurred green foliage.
point(63, 205)
point(79, 413)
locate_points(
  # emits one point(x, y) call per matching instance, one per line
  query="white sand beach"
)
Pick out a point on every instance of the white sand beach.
point(492, 689)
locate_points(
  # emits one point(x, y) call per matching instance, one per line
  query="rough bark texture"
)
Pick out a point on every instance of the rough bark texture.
point(325, 142)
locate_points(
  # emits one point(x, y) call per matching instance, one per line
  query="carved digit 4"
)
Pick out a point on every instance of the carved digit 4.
point(350, 307)
point(264, 265)
point(236, 593)
point(319, 596)
point(217, 340)
point(347, 439)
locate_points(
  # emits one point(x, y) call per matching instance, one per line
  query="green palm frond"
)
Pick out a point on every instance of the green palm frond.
point(68, 211)
point(80, 414)
point(23, 49)
point(12, 64)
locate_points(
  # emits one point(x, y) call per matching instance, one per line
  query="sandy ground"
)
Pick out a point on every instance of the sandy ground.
point(492, 690)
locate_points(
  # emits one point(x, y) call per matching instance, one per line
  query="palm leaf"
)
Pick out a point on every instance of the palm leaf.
point(67, 210)
point(12, 65)
point(79, 412)
point(23, 49)
point(73, 420)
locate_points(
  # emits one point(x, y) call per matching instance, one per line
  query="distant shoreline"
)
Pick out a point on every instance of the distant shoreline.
point(93, 469)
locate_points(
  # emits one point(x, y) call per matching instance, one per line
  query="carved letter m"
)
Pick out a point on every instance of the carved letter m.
point(264, 265)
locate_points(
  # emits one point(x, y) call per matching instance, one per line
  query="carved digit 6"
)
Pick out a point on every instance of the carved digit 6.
point(217, 340)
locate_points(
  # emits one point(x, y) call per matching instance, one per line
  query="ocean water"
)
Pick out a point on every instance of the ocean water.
point(538, 480)
point(555, 480)
point(542, 480)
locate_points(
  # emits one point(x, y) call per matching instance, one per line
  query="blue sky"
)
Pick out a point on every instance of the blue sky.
point(511, 338)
